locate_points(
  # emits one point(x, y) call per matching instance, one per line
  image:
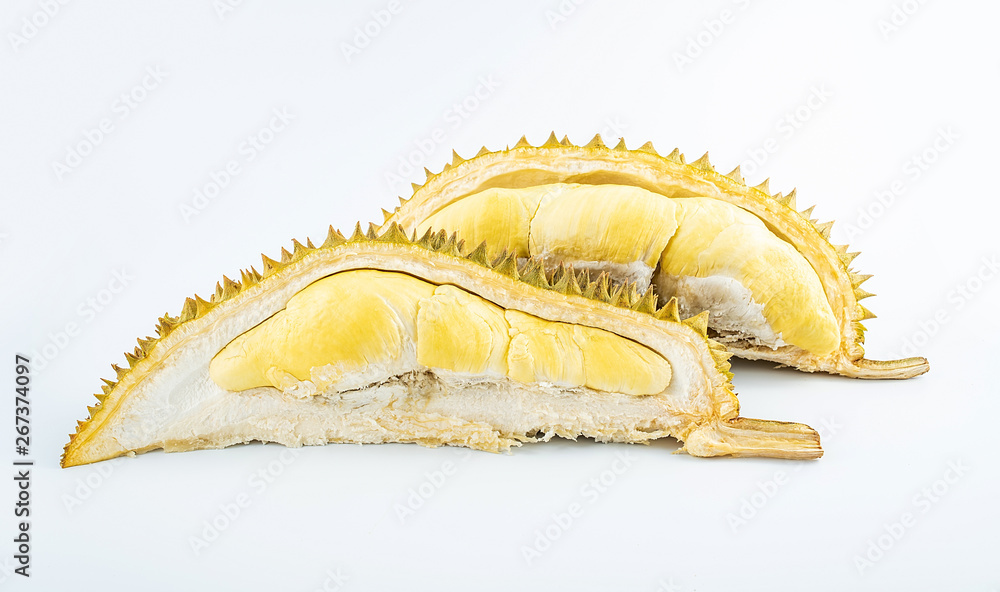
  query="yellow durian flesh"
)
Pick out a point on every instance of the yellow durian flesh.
point(329, 322)
point(541, 351)
point(695, 237)
point(572, 355)
point(461, 332)
point(501, 217)
point(623, 224)
point(351, 320)
point(714, 238)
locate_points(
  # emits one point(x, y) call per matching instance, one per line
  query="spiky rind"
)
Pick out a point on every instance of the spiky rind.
point(480, 255)
point(698, 322)
point(532, 272)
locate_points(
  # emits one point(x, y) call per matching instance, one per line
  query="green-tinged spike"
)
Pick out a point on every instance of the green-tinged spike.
point(587, 287)
point(165, 325)
point(522, 143)
point(764, 187)
point(721, 356)
point(479, 255)
point(824, 228)
point(698, 322)
point(560, 280)
point(482, 152)
point(603, 283)
point(394, 234)
point(427, 240)
point(736, 175)
point(669, 311)
point(217, 294)
point(427, 175)
point(229, 288)
point(506, 264)
point(93, 410)
point(131, 359)
point(334, 238)
point(850, 257)
point(716, 345)
point(789, 200)
point(100, 399)
point(286, 257)
point(565, 141)
point(860, 294)
point(453, 246)
point(415, 187)
point(202, 306)
point(268, 265)
point(146, 344)
point(534, 275)
point(676, 156)
point(648, 149)
point(621, 145)
point(703, 163)
point(456, 159)
point(189, 311)
point(438, 239)
point(630, 295)
point(119, 371)
point(247, 278)
point(859, 278)
point(551, 142)
point(574, 282)
point(372, 233)
point(617, 296)
point(807, 213)
point(299, 250)
point(864, 314)
point(108, 385)
point(647, 304)
point(596, 142)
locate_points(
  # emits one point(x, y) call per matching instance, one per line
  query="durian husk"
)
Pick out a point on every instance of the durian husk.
point(560, 295)
point(670, 175)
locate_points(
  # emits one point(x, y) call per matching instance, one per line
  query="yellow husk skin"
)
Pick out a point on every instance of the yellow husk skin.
point(580, 300)
point(560, 161)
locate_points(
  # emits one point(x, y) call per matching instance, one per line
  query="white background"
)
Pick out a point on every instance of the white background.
point(881, 96)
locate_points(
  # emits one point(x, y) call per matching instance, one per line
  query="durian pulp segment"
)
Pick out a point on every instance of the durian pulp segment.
point(347, 324)
point(717, 239)
point(548, 221)
point(759, 283)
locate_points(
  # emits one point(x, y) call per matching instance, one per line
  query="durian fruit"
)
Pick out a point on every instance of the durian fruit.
point(774, 286)
point(384, 338)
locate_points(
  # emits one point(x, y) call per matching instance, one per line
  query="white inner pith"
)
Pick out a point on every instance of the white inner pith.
point(733, 313)
point(431, 407)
